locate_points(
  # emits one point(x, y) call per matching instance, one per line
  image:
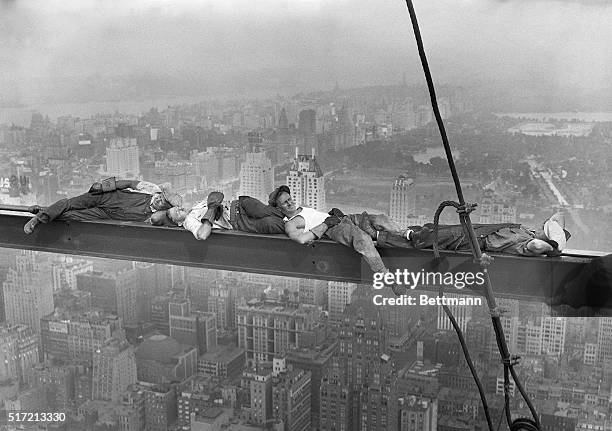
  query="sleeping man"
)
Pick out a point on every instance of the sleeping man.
point(509, 238)
point(358, 231)
point(245, 214)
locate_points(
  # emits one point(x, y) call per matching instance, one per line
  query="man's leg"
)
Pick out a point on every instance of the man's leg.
point(373, 224)
point(386, 232)
point(382, 223)
point(87, 214)
point(348, 234)
point(60, 207)
point(80, 202)
point(449, 238)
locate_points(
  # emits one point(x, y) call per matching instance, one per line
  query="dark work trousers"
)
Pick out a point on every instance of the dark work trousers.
point(116, 205)
point(450, 237)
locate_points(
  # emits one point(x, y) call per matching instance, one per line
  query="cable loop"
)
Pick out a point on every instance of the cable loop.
point(466, 208)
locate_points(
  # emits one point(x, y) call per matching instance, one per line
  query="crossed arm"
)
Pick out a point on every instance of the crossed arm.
point(295, 230)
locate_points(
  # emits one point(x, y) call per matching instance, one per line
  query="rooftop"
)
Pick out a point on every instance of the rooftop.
point(221, 354)
point(161, 348)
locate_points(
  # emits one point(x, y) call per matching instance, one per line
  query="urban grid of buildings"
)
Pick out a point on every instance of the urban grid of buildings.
point(136, 346)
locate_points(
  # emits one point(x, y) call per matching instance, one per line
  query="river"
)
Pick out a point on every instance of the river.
point(592, 117)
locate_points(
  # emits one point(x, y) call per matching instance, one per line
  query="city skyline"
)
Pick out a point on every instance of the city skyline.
point(327, 97)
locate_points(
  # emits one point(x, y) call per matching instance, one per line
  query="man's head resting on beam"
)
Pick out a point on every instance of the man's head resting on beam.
point(281, 198)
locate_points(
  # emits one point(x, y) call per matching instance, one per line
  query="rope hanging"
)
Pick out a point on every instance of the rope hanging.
point(464, 215)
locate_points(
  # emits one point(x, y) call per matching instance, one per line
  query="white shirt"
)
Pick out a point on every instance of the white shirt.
point(192, 222)
point(311, 216)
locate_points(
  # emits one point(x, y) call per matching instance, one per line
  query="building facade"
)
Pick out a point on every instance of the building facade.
point(122, 158)
point(306, 182)
point(256, 176)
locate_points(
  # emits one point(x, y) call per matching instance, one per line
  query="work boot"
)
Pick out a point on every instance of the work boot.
point(31, 225)
point(35, 209)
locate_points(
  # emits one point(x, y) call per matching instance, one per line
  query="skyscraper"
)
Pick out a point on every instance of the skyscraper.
point(222, 302)
point(306, 182)
point(316, 360)
point(335, 399)
point(56, 384)
point(256, 176)
point(312, 292)
point(65, 269)
point(114, 292)
point(343, 131)
point(18, 352)
point(307, 122)
point(72, 336)
point(28, 291)
point(122, 158)
point(403, 201)
point(193, 328)
point(362, 377)
point(604, 341)
point(283, 122)
point(260, 385)
point(114, 368)
point(338, 296)
point(543, 334)
point(291, 399)
point(266, 329)
point(554, 330)
point(307, 128)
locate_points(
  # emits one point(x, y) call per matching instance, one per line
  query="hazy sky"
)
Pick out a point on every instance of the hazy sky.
point(281, 44)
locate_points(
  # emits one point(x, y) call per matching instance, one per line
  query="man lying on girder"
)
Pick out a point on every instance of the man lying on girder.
point(245, 214)
point(358, 231)
point(110, 199)
point(509, 238)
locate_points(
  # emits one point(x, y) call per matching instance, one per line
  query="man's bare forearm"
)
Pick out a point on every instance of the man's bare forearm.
point(306, 237)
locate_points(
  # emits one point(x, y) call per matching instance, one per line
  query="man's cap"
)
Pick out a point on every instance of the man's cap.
point(554, 232)
point(173, 198)
point(276, 193)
